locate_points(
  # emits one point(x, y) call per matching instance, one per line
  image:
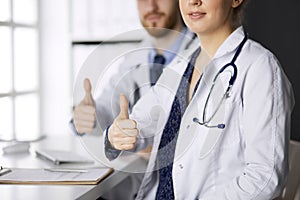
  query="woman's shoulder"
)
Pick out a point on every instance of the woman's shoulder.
point(257, 49)
point(258, 59)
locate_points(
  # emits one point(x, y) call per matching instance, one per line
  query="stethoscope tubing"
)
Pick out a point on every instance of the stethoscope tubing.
point(205, 122)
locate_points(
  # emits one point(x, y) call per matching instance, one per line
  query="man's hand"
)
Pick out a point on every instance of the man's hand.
point(85, 113)
point(122, 134)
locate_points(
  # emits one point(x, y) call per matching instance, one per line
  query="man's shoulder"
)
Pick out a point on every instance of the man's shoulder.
point(136, 56)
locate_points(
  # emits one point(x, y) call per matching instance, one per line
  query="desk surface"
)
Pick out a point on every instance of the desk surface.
point(87, 146)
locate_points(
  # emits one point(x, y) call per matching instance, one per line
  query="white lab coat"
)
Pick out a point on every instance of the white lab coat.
point(247, 159)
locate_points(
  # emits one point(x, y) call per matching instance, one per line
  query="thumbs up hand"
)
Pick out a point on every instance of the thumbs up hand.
point(85, 113)
point(123, 132)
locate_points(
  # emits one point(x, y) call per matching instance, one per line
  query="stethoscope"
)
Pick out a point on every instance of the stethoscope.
point(205, 121)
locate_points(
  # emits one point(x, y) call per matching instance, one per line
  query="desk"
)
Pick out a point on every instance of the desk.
point(65, 192)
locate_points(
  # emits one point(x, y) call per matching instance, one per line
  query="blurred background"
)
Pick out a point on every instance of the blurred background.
point(43, 44)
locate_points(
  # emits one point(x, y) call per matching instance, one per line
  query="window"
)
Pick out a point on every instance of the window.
point(90, 26)
point(102, 19)
point(19, 73)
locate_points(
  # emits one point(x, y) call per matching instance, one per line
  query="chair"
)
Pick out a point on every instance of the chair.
point(293, 183)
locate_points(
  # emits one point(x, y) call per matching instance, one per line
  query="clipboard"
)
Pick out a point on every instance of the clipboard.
point(56, 177)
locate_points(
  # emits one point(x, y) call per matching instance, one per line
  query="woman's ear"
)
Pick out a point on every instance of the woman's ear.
point(236, 3)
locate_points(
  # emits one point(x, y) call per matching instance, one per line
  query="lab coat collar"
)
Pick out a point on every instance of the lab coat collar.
point(231, 43)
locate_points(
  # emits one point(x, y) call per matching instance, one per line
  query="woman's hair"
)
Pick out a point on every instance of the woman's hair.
point(238, 13)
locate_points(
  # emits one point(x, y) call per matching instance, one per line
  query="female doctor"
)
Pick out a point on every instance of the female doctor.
point(219, 122)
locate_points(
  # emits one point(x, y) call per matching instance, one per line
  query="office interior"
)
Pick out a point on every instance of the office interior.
point(44, 44)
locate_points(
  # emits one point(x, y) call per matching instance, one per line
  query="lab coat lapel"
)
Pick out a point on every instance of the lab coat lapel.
point(207, 137)
point(167, 86)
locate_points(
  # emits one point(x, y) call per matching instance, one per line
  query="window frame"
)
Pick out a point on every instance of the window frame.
point(13, 94)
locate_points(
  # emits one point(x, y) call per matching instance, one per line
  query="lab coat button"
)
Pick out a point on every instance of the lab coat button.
point(180, 165)
point(188, 126)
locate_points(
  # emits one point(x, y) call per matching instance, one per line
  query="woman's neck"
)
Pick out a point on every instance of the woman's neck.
point(210, 42)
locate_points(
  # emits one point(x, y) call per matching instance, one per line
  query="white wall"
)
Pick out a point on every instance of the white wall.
point(55, 70)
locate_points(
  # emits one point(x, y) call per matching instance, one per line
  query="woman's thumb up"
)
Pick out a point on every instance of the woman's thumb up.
point(123, 107)
point(122, 134)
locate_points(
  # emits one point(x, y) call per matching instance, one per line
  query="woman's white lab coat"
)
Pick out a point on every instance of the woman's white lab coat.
point(247, 159)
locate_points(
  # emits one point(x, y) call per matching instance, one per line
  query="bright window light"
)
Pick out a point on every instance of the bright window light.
point(26, 58)
point(19, 71)
point(4, 10)
point(5, 60)
point(25, 11)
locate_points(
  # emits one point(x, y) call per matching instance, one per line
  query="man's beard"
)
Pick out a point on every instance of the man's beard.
point(155, 31)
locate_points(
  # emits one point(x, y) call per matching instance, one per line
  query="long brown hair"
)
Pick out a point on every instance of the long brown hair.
point(238, 13)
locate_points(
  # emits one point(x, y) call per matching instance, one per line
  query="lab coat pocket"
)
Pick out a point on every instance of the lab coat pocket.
point(227, 114)
point(231, 133)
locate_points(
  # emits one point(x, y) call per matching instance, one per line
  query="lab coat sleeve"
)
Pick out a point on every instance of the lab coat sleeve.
point(267, 105)
point(147, 112)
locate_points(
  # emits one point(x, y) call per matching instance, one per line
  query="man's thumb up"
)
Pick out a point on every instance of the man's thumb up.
point(85, 112)
point(88, 99)
point(123, 107)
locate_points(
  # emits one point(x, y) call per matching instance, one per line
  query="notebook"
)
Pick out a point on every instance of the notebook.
point(46, 176)
point(61, 157)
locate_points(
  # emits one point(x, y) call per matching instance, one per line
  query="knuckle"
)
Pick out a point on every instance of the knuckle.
point(79, 130)
point(76, 109)
point(116, 146)
point(136, 132)
point(89, 130)
point(133, 123)
point(75, 116)
point(116, 123)
point(134, 140)
point(113, 128)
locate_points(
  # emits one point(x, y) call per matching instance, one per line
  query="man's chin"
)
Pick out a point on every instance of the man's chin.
point(157, 31)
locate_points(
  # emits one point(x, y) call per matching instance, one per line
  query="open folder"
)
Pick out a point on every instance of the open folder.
point(55, 176)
